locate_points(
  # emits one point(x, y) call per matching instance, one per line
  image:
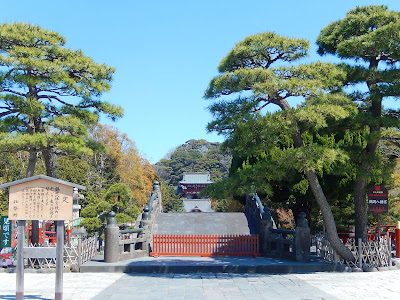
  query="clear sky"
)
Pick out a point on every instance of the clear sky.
point(166, 52)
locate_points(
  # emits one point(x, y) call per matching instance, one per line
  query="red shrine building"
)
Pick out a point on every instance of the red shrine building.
point(193, 182)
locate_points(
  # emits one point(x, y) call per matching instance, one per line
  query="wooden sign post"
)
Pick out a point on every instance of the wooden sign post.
point(40, 198)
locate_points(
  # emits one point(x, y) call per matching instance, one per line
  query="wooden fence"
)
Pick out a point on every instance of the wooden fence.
point(205, 245)
point(74, 254)
point(369, 254)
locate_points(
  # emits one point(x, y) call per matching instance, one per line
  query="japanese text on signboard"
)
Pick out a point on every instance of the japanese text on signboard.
point(40, 200)
point(6, 231)
point(378, 201)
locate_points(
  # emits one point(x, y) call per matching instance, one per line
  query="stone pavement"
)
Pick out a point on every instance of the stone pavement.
point(214, 264)
point(109, 286)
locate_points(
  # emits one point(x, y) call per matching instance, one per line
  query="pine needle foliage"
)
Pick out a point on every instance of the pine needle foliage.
point(48, 93)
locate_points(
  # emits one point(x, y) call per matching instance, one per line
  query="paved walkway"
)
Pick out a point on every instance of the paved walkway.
point(215, 264)
point(109, 286)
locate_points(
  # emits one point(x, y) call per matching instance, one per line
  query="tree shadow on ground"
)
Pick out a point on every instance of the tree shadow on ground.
point(12, 297)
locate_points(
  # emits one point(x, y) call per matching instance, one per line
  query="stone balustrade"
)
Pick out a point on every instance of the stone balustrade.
point(290, 244)
point(128, 244)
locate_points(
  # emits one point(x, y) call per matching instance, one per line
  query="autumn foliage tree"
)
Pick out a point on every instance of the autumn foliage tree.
point(121, 162)
point(117, 177)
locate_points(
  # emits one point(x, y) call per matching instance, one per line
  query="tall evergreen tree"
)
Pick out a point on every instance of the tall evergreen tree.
point(367, 39)
point(255, 74)
point(48, 93)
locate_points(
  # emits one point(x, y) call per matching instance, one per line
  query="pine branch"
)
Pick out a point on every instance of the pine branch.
point(63, 102)
point(8, 73)
point(6, 113)
point(13, 92)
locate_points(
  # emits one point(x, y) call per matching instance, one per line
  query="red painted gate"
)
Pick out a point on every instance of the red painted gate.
point(205, 245)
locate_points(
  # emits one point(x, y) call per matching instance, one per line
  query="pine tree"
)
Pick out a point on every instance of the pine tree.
point(48, 93)
point(367, 39)
point(254, 74)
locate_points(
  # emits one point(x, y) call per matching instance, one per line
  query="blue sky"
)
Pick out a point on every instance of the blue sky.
point(166, 52)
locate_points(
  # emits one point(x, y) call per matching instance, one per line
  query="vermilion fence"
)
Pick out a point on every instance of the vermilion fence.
point(348, 237)
point(205, 245)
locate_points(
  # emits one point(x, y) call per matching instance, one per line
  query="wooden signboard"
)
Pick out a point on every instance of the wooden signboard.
point(40, 199)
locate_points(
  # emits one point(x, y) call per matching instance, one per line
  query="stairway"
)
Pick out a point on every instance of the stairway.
point(201, 223)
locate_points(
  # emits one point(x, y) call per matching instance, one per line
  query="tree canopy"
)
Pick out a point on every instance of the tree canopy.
point(367, 38)
point(194, 156)
point(51, 98)
point(48, 93)
point(257, 72)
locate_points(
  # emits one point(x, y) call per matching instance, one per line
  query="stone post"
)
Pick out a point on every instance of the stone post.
point(146, 233)
point(302, 239)
point(264, 230)
point(389, 244)
point(76, 206)
point(156, 187)
point(79, 251)
point(111, 232)
point(146, 213)
point(158, 206)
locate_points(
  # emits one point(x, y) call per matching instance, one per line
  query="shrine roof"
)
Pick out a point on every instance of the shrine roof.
point(32, 178)
point(195, 178)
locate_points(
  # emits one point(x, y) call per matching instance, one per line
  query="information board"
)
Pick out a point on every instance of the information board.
point(378, 200)
point(40, 199)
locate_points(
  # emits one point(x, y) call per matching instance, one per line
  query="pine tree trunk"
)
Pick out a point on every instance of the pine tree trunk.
point(361, 183)
point(49, 161)
point(361, 187)
point(360, 206)
point(32, 162)
point(29, 173)
point(327, 215)
point(329, 221)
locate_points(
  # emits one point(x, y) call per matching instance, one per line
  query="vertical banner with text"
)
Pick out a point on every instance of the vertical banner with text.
point(6, 232)
point(378, 200)
point(8, 242)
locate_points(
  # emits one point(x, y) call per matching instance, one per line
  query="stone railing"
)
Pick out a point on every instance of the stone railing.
point(132, 243)
point(255, 212)
point(290, 244)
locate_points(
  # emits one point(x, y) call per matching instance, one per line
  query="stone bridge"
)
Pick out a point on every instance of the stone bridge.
point(255, 220)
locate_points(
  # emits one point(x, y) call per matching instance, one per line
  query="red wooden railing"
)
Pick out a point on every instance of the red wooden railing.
point(51, 236)
point(205, 245)
point(345, 236)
